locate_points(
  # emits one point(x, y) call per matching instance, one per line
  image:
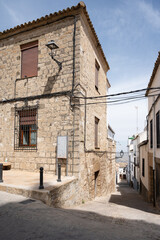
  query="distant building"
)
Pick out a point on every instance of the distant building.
point(150, 163)
point(121, 171)
point(133, 168)
point(111, 133)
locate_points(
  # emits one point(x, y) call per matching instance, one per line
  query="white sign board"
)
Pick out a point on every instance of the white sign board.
point(62, 146)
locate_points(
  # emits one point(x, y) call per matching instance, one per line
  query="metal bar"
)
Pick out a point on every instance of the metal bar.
point(41, 178)
point(1, 172)
point(59, 173)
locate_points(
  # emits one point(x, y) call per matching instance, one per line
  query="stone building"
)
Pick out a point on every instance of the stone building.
point(44, 98)
point(153, 145)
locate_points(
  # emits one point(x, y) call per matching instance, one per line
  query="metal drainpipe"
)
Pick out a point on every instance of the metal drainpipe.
point(85, 112)
point(74, 46)
point(73, 82)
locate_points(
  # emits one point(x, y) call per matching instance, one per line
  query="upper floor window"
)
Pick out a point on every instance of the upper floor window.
point(97, 67)
point(158, 129)
point(29, 59)
point(143, 167)
point(151, 134)
point(96, 132)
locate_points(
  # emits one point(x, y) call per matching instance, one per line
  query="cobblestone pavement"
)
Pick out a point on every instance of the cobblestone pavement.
point(121, 216)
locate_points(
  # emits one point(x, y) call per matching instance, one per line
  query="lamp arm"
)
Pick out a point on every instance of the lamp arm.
point(58, 63)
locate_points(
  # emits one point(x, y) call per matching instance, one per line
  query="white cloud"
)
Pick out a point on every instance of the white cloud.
point(12, 13)
point(150, 14)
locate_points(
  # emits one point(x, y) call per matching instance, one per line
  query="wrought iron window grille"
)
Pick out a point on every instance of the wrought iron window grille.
point(25, 128)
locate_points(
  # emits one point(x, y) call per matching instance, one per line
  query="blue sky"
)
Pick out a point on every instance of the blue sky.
point(129, 32)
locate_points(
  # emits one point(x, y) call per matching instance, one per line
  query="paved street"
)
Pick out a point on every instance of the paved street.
point(123, 215)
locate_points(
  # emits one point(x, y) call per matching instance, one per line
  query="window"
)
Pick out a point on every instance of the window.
point(97, 67)
point(158, 129)
point(143, 167)
point(151, 134)
point(26, 128)
point(29, 59)
point(96, 132)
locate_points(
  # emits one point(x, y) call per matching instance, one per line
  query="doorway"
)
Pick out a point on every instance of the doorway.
point(96, 174)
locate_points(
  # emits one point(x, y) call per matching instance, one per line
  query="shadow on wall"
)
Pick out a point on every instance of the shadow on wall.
point(30, 219)
point(130, 198)
point(50, 83)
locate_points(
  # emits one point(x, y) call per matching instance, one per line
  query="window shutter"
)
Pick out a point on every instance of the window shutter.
point(29, 59)
point(27, 117)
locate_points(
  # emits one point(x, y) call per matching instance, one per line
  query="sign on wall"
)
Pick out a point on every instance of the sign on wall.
point(62, 146)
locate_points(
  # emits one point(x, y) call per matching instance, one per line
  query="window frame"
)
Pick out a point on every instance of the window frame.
point(96, 126)
point(97, 67)
point(158, 129)
point(151, 133)
point(21, 133)
point(31, 115)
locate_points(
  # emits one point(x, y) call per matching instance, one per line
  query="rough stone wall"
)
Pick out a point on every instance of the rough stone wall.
point(144, 191)
point(97, 166)
point(48, 79)
point(55, 116)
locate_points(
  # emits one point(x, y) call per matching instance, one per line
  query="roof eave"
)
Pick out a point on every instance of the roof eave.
point(156, 65)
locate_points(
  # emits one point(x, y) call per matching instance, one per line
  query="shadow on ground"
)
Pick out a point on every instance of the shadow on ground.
point(130, 198)
point(31, 219)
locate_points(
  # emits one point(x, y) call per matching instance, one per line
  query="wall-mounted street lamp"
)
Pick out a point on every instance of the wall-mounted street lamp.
point(121, 154)
point(52, 46)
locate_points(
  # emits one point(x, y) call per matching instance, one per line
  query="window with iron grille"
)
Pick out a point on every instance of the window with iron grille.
point(158, 129)
point(25, 131)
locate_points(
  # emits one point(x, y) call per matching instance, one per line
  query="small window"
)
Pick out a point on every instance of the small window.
point(97, 67)
point(151, 134)
point(29, 59)
point(26, 128)
point(158, 129)
point(96, 132)
point(143, 167)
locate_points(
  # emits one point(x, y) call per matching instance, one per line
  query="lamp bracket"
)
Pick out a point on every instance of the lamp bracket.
point(58, 63)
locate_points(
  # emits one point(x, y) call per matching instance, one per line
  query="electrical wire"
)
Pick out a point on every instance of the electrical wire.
point(120, 100)
point(118, 94)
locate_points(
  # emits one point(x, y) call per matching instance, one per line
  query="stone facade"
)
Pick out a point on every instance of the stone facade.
point(59, 98)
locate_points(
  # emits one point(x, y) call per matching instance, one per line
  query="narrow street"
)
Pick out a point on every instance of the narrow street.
point(122, 215)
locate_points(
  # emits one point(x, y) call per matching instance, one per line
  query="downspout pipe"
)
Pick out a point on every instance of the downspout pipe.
point(72, 92)
point(74, 46)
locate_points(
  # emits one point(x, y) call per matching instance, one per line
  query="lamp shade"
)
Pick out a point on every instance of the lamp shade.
point(51, 45)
